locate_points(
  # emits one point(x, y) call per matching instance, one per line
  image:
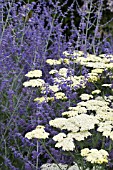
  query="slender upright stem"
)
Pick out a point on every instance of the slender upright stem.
point(50, 155)
point(37, 157)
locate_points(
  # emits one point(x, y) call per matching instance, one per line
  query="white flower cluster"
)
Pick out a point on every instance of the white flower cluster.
point(60, 95)
point(64, 141)
point(34, 73)
point(86, 96)
point(54, 166)
point(53, 62)
point(38, 133)
point(34, 83)
point(95, 156)
point(63, 72)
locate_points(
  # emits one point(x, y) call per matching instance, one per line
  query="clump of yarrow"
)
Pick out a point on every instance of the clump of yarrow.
point(91, 118)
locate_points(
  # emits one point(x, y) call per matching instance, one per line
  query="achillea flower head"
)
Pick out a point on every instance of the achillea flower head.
point(96, 92)
point(40, 99)
point(53, 71)
point(65, 61)
point(84, 121)
point(70, 113)
point(58, 122)
point(34, 73)
point(106, 85)
point(98, 71)
point(95, 156)
point(79, 136)
point(54, 88)
point(63, 72)
point(86, 96)
point(78, 109)
point(53, 62)
point(38, 133)
point(60, 95)
point(34, 83)
point(65, 142)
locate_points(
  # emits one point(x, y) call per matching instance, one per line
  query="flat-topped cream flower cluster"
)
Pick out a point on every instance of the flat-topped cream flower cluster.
point(38, 133)
point(95, 156)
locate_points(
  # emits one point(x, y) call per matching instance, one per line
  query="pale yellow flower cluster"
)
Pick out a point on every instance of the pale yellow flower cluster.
point(38, 133)
point(96, 92)
point(34, 83)
point(64, 141)
point(34, 73)
point(75, 54)
point(65, 60)
point(54, 88)
point(58, 122)
point(77, 81)
point(40, 99)
point(105, 114)
point(78, 109)
point(53, 62)
point(98, 71)
point(106, 127)
point(70, 113)
point(94, 104)
point(94, 61)
point(95, 156)
point(84, 121)
point(60, 95)
point(93, 77)
point(53, 71)
point(53, 166)
point(106, 85)
point(79, 136)
point(63, 72)
point(79, 122)
point(85, 96)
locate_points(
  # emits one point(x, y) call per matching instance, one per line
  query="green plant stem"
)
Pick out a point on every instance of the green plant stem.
point(75, 159)
point(37, 157)
point(43, 144)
